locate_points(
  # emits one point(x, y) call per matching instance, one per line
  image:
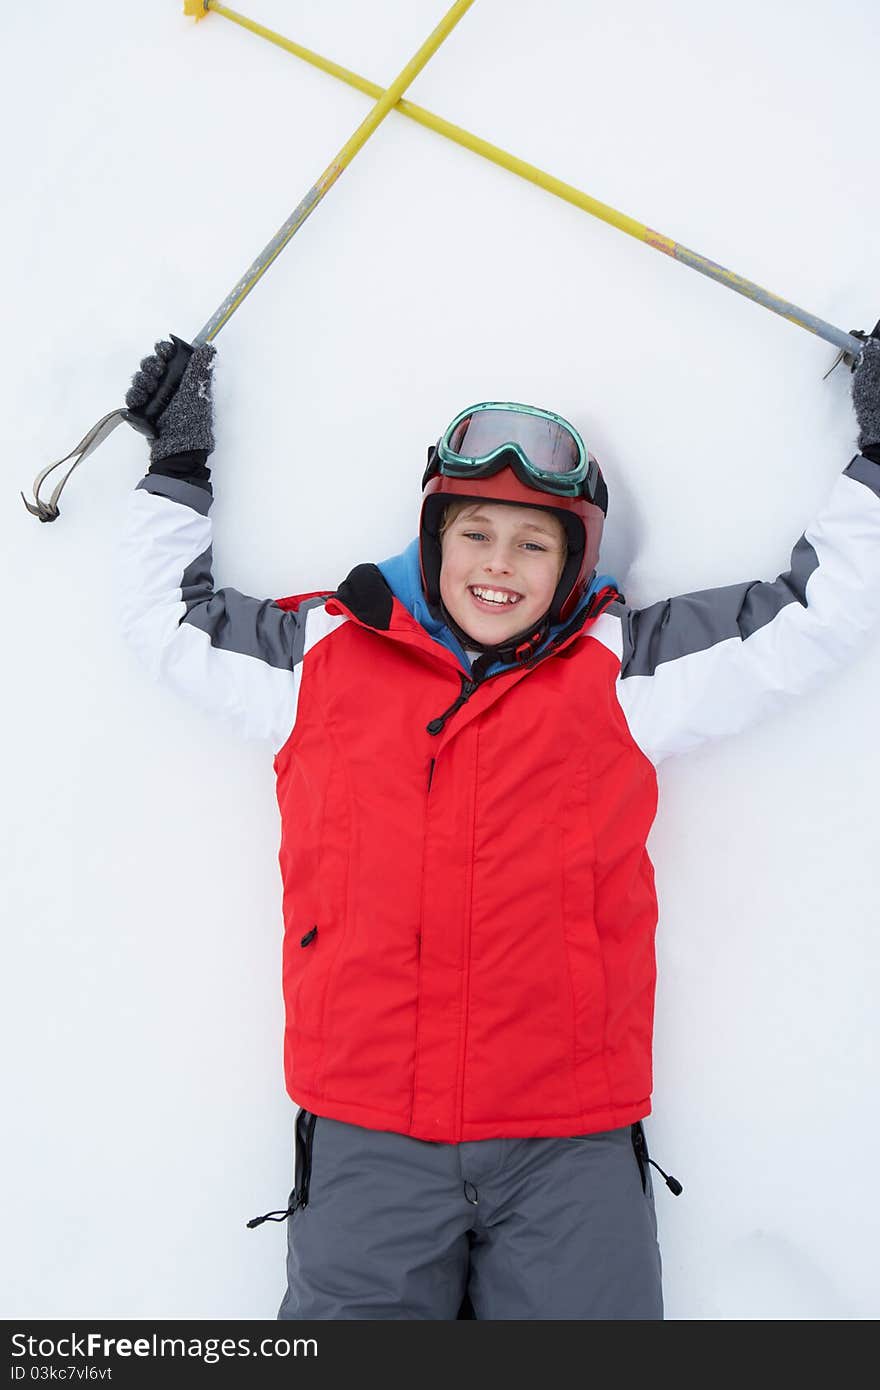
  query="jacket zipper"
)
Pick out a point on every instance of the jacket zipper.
point(600, 602)
point(468, 687)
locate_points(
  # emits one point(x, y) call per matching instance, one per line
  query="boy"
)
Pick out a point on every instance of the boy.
point(465, 741)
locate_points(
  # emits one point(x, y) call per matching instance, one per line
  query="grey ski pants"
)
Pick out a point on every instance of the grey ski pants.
point(391, 1227)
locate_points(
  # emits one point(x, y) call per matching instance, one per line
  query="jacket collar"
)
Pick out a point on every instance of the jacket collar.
point(403, 576)
point(369, 593)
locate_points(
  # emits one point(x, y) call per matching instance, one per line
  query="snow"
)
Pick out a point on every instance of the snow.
point(148, 160)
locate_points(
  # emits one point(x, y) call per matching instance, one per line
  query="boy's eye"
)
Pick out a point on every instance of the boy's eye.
point(482, 535)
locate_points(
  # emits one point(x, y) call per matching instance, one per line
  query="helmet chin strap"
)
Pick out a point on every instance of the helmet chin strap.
point(536, 631)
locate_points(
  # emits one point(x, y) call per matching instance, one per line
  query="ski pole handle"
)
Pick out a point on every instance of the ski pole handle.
point(144, 421)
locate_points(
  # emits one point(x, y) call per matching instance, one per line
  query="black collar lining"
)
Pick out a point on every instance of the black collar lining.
point(367, 594)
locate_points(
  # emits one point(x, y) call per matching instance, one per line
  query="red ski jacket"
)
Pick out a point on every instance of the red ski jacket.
point(469, 905)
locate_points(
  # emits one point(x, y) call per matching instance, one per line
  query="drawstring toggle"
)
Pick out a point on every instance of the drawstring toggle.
point(275, 1215)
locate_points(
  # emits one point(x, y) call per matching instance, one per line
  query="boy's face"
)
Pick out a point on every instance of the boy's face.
point(502, 552)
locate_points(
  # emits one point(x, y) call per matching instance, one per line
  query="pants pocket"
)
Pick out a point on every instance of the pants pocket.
point(640, 1148)
point(302, 1164)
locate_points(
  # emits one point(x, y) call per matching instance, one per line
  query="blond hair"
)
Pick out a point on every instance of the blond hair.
point(450, 512)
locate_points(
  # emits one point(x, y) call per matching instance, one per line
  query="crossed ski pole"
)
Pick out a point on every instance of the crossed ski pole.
point(145, 420)
point(849, 344)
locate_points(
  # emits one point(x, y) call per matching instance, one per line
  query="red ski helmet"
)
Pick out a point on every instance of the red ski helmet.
point(522, 456)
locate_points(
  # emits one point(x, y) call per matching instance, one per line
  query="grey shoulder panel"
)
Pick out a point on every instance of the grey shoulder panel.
point(236, 622)
point(690, 623)
point(301, 614)
point(864, 471)
point(622, 611)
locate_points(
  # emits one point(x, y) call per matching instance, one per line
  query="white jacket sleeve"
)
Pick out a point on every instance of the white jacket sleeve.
point(706, 664)
point(238, 657)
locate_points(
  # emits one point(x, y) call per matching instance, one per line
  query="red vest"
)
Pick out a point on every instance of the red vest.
point(468, 915)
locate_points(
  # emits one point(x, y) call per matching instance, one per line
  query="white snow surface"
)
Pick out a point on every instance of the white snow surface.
point(147, 159)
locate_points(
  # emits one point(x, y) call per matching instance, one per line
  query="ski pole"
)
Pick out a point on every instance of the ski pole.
point(850, 344)
point(144, 420)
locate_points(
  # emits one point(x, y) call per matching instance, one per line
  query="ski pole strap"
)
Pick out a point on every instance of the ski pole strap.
point(48, 511)
point(144, 421)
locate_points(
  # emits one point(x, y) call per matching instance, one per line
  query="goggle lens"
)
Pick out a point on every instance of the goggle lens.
point(546, 443)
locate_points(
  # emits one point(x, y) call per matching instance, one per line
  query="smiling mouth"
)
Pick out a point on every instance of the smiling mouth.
point(489, 599)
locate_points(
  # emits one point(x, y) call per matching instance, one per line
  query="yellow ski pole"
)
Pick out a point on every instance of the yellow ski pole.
point(850, 344)
point(385, 101)
point(144, 420)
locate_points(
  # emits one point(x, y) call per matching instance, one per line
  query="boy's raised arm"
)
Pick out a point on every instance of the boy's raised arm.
point(710, 663)
point(238, 657)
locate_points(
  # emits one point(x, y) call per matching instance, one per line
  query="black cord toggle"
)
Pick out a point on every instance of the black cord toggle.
point(672, 1183)
point(275, 1215)
point(467, 689)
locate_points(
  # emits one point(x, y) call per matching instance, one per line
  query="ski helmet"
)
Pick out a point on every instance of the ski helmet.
point(524, 456)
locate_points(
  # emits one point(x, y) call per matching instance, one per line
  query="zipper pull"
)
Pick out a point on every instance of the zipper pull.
point(467, 689)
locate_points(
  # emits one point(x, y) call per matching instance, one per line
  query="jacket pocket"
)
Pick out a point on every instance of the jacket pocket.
point(303, 949)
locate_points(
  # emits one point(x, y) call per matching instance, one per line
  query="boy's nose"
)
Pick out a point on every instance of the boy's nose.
point(497, 564)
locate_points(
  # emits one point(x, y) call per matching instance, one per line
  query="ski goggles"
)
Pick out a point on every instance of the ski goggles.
point(551, 453)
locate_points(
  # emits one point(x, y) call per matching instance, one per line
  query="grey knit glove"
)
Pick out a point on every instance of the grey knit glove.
point(186, 422)
point(866, 395)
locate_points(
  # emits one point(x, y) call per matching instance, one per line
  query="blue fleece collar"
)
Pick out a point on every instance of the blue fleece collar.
point(403, 576)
